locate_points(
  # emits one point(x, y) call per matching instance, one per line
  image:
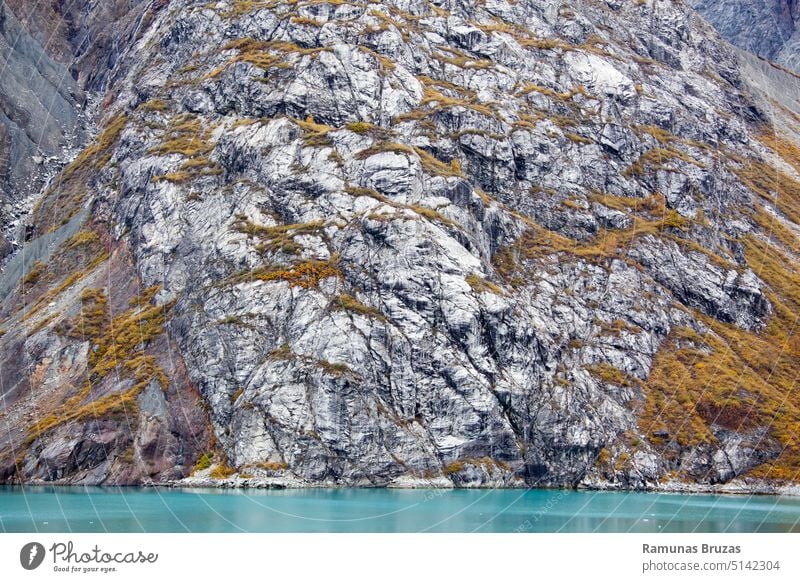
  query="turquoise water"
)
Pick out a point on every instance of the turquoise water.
point(39, 509)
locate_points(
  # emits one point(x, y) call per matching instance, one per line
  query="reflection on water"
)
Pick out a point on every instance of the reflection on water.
point(41, 509)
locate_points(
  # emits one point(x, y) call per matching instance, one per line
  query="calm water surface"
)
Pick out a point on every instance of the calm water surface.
point(40, 509)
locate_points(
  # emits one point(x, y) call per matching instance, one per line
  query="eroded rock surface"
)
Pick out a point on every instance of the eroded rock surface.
point(465, 243)
point(51, 53)
point(767, 28)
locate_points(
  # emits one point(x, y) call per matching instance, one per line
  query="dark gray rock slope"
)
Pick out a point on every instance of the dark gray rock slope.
point(767, 28)
point(50, 53)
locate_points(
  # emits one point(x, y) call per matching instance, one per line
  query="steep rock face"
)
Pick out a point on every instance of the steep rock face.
point(38, 114)
point(767, 28)
point(51, 52)
point(473, 243)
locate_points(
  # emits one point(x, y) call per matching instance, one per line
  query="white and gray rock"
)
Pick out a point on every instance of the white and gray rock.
point(358, 293)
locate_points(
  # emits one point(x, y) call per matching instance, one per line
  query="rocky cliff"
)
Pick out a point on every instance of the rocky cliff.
point(51, 54)
point(412, 242)
point(767, 28)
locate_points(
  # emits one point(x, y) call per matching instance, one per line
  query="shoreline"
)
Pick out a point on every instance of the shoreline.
point(291, 483)
point(736, 487)
point(278, 484)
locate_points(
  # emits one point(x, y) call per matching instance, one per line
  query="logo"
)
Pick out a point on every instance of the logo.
point(31, 555)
